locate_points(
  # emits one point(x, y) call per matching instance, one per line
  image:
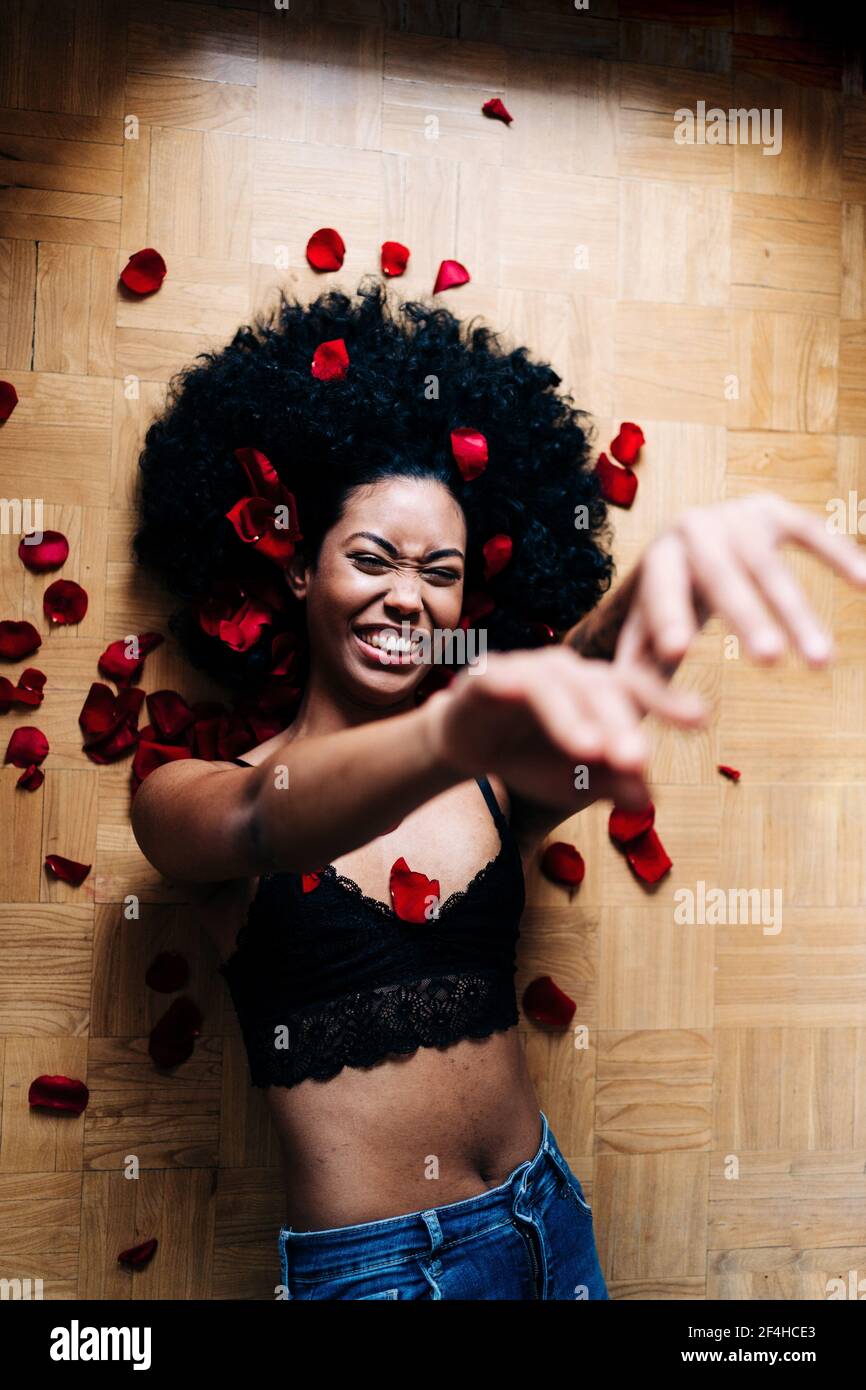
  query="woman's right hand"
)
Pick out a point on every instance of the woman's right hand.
point(536, 717)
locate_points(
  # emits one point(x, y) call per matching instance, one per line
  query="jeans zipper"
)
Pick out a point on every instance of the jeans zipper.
point(532, 1255)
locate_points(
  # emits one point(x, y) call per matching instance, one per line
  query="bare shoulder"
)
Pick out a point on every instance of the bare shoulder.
point(190, 819)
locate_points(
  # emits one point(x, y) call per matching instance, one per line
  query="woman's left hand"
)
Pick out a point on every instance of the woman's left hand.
point(724, 559)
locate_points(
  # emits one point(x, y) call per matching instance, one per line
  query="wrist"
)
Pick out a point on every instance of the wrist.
point(596, 635)
point(432, 724)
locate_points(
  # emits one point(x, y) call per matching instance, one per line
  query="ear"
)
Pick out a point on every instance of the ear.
point(298, 574)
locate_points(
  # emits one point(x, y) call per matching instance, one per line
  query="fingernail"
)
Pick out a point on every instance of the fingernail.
point(817, 648)
point(766, 643)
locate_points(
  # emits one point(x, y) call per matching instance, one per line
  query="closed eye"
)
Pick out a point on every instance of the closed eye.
point(371, 560)
point(438, 574)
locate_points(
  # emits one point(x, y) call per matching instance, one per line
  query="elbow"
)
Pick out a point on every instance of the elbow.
point(255, 840)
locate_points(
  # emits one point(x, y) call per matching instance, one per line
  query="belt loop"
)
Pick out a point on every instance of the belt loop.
point(434, 1230)
point(433, 1269)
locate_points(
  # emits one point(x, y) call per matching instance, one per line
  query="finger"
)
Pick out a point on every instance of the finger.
point(626, 789)
point(618, 717)
point(630, 647)
point(786, 598)
point(657, 696)
point(558, 712)
point(666, 599)
point(840, 552)
point(722, 579)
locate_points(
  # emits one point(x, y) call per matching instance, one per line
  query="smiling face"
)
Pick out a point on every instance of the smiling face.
point(389, 573)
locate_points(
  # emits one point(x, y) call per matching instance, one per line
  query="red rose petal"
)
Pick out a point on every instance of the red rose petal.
point(167, 972)
point(173, 1038)
point(410, 892)
point(265, 726)
point(58, 1093)
point(648, 857)
point(285, 652)
point(27, 692)
point(117, 745)
point(497, 553)
point(170, 715)
point(476, 606)
point(469, 448)
point(309, 882)
point(64, 601)
point(67, 870)
point(27, 745)
point(234, 616)
point(450, 273)
point(31, 779)
point(497, 111)
point(98, 714)
point(110, 722)
point(244, 629)
point(263, 479)
point(18, 640)
point(544, 1002)
point(330, 361)
point(729, 772)
point(49, 554)
point(562, 863)
point(144, 272)
point(255, 522)
point(618, 485)
point(627, 445)
point(122, 668)
point(150, 755)
point(326, 249)
point(623, 826)
point(30, 686)
point(395, 257)
point(138, 1255)
point(234, 736)
point(204, 741)
point(8, 399)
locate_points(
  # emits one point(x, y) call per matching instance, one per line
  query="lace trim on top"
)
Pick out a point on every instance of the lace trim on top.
point(385, 910)
point(364, 1029)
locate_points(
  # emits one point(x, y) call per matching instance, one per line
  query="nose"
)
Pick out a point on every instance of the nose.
point(404, 594)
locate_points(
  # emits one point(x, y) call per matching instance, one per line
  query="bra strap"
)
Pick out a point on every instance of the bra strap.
point(493, 806)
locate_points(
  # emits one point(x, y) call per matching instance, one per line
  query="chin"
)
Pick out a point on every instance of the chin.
point(390, 686)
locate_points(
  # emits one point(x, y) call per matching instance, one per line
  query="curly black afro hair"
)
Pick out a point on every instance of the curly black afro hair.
point(415, 374)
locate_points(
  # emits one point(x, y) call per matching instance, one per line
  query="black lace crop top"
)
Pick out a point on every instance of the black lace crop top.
point(330, 978)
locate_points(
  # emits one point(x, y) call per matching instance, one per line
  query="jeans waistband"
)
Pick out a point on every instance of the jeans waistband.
point(422, 1232)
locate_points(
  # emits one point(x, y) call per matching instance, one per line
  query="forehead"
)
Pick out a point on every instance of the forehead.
point(410, 513)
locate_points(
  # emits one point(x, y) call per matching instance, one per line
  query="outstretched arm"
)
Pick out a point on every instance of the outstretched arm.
point(529, 717)
point(717, 559)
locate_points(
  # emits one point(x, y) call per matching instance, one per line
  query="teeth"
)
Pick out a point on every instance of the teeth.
point(391, 643)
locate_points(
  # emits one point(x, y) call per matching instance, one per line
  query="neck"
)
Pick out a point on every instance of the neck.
point(324, 710)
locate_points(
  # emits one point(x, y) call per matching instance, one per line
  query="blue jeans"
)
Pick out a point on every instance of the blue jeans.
point(531, 1237)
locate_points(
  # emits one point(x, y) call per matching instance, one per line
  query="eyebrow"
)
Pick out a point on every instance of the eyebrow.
point(392, 549)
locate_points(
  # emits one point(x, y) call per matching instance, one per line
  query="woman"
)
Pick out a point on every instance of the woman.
point(360, 868)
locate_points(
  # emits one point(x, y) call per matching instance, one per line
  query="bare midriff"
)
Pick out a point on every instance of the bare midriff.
point(411, 1133)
